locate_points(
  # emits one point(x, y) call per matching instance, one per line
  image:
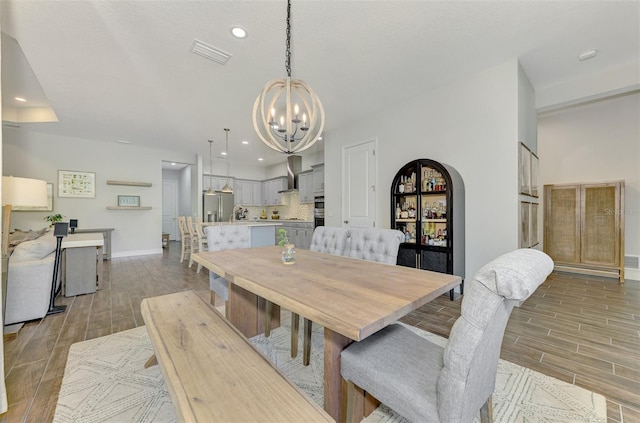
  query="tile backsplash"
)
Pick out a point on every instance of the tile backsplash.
point(292, 209)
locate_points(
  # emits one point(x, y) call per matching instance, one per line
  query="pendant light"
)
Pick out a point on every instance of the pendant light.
point(287, 115)
point(210, 191)
point(227, 188)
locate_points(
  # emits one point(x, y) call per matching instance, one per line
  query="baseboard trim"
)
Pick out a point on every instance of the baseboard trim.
point(631, 274)
point(136, 253)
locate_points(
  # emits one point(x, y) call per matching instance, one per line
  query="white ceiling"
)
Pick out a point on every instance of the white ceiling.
point(123, 70)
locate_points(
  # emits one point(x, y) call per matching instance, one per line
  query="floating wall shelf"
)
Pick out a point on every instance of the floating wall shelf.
point(127, 208)
point(130, 183)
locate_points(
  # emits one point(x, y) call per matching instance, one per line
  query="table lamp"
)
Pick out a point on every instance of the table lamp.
point(17, 192)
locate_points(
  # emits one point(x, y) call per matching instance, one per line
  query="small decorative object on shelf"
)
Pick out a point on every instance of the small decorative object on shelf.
point(289, 251)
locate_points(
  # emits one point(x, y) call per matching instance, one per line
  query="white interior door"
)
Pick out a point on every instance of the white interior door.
point(170, 208)
point(359, 190)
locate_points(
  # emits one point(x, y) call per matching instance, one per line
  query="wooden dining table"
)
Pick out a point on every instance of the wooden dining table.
point(351, 298)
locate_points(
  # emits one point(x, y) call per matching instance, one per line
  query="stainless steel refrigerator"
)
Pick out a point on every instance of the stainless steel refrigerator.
point(217, 208)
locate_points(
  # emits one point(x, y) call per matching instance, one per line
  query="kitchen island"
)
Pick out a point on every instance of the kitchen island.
point(263, 232)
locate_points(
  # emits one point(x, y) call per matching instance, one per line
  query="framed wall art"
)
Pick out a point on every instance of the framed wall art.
point(533, 225)
point(524, 224)
point(75, 184)
point(48, 207)
point(128, 201)
point(534, 175)
point(524, 169)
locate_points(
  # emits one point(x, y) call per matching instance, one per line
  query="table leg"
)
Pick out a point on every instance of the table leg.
point(246, 311)
point(334, 343)
point(99, 268)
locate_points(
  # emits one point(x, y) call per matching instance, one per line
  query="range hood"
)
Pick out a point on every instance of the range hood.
point(294, 166)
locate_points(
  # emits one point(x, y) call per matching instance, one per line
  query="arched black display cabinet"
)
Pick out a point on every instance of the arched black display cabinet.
point(427, 205)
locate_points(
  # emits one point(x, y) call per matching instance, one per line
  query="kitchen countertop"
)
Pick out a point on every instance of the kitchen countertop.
point(256, 222)
point(245, 223)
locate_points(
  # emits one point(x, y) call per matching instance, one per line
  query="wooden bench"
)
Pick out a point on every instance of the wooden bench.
point(212, 371)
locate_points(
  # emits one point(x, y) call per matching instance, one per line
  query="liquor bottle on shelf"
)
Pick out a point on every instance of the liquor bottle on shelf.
point(408, 185)
point(401, 186)
point(398, 211)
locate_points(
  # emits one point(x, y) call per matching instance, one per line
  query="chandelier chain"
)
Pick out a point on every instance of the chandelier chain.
point(288, 46)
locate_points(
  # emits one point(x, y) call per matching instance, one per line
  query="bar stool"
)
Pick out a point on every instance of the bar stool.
point(185, 238)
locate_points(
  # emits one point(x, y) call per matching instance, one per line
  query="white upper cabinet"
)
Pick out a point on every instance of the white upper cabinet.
point(305, 187)
point(318, 178)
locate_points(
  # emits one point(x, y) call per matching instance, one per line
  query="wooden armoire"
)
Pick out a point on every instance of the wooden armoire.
point(584, 228)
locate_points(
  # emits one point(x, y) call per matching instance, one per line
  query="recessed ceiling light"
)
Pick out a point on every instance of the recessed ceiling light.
point(173, 163)
point(239, 32)
point(260, 159)
point(124, 142)
point(319, 138)
point(20, 99)
point(245, 142)
point(224, 153)
point(587, 55)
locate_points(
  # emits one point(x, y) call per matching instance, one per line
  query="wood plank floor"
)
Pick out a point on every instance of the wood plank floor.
point(578, 329)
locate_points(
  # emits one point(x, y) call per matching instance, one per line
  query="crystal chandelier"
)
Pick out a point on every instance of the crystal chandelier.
point(227, 187)
point(210, 191)
point(287, 115)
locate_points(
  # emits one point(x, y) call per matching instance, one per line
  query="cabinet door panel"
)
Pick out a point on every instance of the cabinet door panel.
point(562, 223)
point(599, 234)
point(407, 257)
point(435, 261)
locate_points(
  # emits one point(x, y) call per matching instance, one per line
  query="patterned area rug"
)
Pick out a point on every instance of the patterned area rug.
point(105, 381)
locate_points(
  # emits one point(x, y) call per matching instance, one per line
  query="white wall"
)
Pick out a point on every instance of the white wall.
point(595, 142)
point(36, 155)
point(472, 125)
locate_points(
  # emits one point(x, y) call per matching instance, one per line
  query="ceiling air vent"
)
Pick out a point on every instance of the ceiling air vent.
point(210, 52)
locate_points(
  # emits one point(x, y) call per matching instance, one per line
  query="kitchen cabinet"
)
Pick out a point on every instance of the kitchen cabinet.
point(256, 193)
point(298, 233)
point(270, 191)
point(243, 193)
point(305, 187)
point(584, 228)
point(318, 178)
point(216, 182)
point(427, 205)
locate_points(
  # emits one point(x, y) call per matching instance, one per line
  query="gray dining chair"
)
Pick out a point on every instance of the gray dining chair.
point(425, 382)
point(225, 237)
point(325, 239)
point(373, 244)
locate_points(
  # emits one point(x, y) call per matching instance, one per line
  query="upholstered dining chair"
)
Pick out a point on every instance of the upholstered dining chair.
point(193, 237)
point(325, 239)
point(424, 382)
point(373, 244)
point(185, 238)
point(225, 237)
point(202, 240)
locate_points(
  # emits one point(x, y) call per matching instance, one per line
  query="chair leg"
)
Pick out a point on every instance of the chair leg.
point(295, 326)
point(355, 403)
point(486, 411)
point(306, 343)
